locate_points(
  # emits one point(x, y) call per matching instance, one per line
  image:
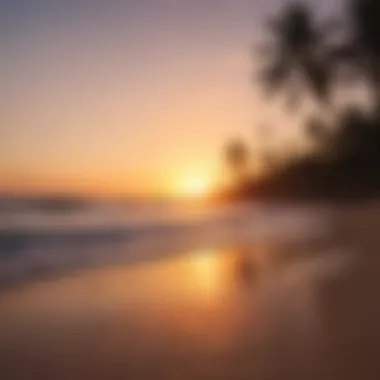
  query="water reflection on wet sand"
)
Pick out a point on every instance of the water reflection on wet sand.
point(246, 313)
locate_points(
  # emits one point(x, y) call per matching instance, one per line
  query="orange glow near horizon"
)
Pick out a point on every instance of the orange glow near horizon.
point(181, 183)
point(136, 111)
point(193, 186)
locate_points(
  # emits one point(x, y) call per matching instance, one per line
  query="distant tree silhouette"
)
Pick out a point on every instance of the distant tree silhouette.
point(237, 159)
point(304, 58)
point(301, 58)
point(357, 138)
point(318, 131)
point(361, 48)
point(298, 58)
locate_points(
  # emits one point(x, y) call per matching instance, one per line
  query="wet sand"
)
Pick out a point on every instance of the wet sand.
point(260, 312)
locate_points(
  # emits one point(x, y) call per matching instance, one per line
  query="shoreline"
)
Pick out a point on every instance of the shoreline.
point(226, 314)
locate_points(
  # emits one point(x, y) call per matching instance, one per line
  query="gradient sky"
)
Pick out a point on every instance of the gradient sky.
point(125, 96)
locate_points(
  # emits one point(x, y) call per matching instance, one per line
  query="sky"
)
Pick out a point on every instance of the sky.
point(126, 97)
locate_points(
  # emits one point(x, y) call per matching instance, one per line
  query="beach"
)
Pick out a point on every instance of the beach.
point(189, 190)
point(270, 310)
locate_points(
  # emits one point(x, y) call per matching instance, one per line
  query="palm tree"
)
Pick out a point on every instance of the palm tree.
point(317, 130)
point(298, 58)
point(361, 49)
point(237, 159)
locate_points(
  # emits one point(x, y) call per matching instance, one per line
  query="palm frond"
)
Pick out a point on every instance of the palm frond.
point(275, 76)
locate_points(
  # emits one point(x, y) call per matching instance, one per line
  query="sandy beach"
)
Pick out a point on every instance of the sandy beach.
point(250, 312)
point(257, 312)
point(189, 190)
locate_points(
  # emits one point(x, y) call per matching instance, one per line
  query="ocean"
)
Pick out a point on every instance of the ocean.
point(44, 238)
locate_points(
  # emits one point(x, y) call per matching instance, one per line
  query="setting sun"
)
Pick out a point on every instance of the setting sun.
point(194, 186)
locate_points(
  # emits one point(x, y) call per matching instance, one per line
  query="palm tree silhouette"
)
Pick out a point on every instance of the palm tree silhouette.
point(298, 58)
point(237, 159)
point(361, 49)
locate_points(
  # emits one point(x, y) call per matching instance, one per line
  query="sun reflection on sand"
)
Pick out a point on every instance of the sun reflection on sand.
point(194, 304)
point(208, 274)
point(202, 314)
